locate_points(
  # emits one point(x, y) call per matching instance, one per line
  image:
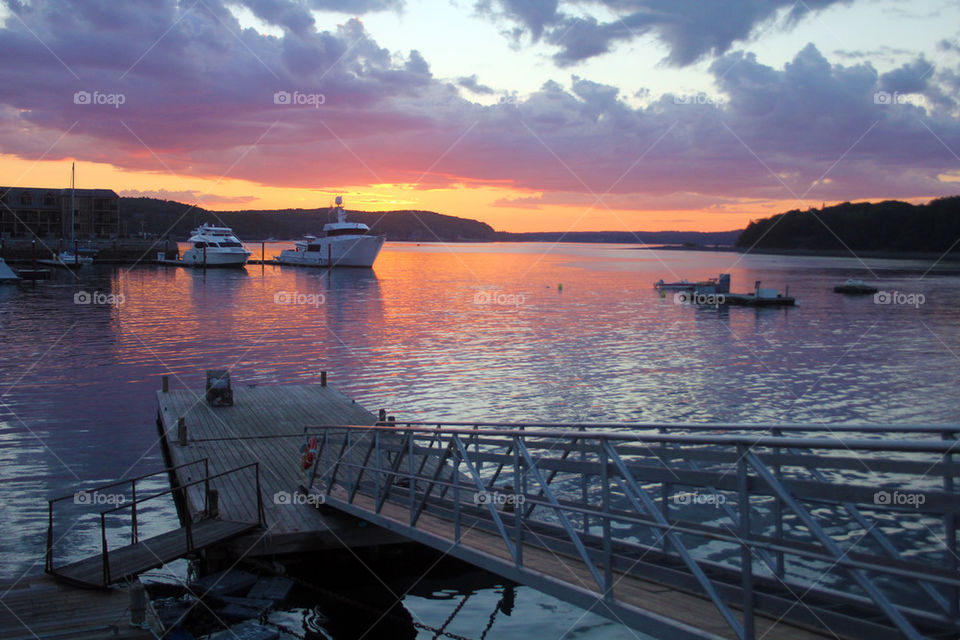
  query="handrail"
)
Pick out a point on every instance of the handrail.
point(129, 480)
point(132, 505)
point(181, 487)
point(616, 458)
point(913, 446)
point(701, 426)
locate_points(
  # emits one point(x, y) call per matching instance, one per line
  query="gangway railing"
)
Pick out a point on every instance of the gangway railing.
point(849, 535)
point(134, 505)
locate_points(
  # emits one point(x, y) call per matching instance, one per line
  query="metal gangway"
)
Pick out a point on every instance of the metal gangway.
point(690, 530)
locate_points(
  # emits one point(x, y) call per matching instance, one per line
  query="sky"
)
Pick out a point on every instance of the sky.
point(530, 115)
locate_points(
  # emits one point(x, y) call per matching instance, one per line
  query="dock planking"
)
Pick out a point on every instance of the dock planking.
point(132, 560)
point(41, 607)
point(265, 424)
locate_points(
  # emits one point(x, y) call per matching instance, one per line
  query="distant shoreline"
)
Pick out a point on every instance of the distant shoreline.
point(824, 253)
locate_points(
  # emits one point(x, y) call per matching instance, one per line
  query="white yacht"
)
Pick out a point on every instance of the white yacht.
point(342, 244)
point(214, 247)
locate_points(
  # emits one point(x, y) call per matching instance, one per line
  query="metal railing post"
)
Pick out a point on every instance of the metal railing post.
point(379, 464)
point(607, 542)
point(49, 555)
point(261, 518)
point(412, 484)
point(778, 506)
point(133, 513)
point(518, 490)
point(456, 490)
point(584, 480)
point(665, 489)
point(746, 559)
point(103, 549)
point(950, 534)
point(351, 464)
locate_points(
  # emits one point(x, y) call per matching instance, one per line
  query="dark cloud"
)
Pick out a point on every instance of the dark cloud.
point(531, 15)
point(332, 108)
point(908, 78)
point(691, 29)
point(295, 16)
point(473, 85)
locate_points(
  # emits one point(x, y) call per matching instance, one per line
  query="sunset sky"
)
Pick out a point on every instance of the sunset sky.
point(528, 115)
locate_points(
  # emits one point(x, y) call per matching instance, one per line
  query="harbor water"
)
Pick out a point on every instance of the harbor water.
point(499, 332)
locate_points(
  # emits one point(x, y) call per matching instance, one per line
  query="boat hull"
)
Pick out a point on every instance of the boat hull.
point(336, 252)
point(855, 290)
point(215, 258)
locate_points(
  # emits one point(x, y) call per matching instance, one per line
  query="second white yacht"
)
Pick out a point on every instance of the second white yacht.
point(342, 244)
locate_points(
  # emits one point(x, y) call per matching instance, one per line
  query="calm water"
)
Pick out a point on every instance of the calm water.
point(456, 333)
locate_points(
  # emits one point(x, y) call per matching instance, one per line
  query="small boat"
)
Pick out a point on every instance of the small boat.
point(855, 287)
point(6, 273)
point(720, 284)
point(214, 247)
point(683, 285)
point(341, 244)
point(70, 259)
point(759, 298)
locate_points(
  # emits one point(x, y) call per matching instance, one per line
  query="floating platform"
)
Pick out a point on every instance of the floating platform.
point(265, 424)
point(751, 300)
point(34, 274)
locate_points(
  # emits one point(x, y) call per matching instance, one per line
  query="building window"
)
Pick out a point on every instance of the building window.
point(26, 198)
point(49, 200)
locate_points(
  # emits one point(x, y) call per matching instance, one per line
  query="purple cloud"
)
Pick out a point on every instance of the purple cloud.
point(203, 97)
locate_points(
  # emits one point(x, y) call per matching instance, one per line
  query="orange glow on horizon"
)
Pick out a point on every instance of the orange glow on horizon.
point(472, 202)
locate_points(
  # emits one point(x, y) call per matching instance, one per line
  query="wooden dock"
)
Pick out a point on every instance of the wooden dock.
point(266, 425)
point(39, 607)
